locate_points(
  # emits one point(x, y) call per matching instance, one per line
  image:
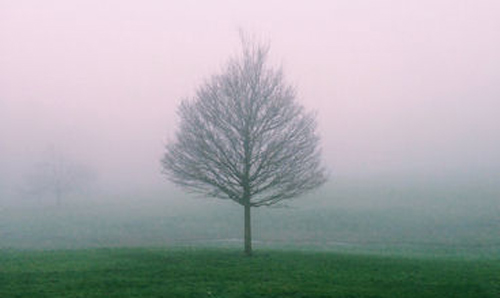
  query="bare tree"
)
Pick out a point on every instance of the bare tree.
point(57, 177)
point(245, 138)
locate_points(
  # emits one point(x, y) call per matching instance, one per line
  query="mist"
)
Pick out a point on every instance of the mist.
point(406, 94)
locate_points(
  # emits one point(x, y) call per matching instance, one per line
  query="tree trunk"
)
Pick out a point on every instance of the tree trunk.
point(248, 231)
point(58, 197)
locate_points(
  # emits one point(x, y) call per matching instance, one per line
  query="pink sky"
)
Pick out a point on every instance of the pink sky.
point(399, 86)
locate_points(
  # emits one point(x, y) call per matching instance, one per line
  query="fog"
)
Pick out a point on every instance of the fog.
point(407, 95)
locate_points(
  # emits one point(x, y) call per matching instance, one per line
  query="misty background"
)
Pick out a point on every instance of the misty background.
point(407, 95)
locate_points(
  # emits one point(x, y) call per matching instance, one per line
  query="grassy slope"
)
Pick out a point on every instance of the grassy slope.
point(425, 216)
point(226, 273)
point(381, 231)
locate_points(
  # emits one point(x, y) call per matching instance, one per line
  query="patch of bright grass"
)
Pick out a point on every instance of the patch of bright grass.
point(227, 273)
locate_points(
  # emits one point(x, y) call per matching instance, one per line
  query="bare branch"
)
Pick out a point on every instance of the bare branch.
point(244, 137)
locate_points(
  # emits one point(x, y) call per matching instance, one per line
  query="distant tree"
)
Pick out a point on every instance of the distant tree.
point(57, 177)
point(243, 137)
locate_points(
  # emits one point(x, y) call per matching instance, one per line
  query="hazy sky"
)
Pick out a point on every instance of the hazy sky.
point(399, 86)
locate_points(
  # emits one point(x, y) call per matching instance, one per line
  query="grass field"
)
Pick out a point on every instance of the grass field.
point(358, 240)
point(227, 273)
point(389, 231)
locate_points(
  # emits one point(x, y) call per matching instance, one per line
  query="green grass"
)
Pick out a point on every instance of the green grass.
point(227, 273)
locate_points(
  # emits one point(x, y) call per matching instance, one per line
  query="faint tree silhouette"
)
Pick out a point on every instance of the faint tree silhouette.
point(56, 176)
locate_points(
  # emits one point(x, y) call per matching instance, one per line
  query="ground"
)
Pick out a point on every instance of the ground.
point(197, 272)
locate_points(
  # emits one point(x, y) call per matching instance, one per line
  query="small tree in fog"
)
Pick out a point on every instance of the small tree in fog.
point(57, 177)
point(243, 137)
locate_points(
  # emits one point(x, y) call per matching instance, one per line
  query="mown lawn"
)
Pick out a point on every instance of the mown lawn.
point(227, 273)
